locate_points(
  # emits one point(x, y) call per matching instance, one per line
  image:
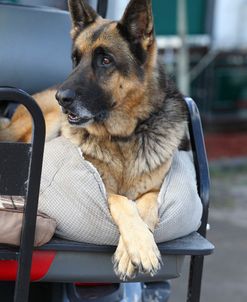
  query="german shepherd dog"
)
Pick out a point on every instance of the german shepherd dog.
point(125, 115)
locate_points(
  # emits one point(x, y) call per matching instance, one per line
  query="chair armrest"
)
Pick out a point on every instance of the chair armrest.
point(200, 159)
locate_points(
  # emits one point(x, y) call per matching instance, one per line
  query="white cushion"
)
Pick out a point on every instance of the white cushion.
point(73, 193)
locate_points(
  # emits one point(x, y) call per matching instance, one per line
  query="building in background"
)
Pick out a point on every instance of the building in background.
point(217, 42)
point(217, 46)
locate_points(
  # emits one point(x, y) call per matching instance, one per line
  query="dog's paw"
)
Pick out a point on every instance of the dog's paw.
point(137, 255)
point(123, 266)
point(144, 253)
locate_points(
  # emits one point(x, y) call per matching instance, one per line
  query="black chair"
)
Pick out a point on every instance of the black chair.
point(66, 261)
point(20, 171)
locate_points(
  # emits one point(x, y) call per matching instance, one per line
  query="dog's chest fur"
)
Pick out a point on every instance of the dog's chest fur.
point(123, 169)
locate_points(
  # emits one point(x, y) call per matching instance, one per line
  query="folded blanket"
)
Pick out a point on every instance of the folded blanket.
point(73, 194)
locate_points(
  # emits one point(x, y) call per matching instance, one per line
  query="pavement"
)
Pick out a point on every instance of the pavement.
point(225, 272)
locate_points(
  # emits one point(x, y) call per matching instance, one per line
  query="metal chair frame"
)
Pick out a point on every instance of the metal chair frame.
point(30, 189)
point(24, 255)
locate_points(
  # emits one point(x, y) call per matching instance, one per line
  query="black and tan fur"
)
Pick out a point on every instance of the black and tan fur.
point(128, 120)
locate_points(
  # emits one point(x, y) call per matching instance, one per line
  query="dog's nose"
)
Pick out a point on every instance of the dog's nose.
point(65, 97)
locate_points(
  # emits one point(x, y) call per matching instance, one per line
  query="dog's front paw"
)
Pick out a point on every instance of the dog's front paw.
point(123, 266)
point(137, 254)
point(143, 252)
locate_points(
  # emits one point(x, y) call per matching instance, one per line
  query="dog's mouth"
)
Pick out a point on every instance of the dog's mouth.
point(77, 120)
point(84, 119)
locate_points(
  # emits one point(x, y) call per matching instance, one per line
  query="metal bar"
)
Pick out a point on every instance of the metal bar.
point(34, 175)
point(201, 163)
point(203, 64)
point(102, 7)
point(195, 279)
point(183, 51)
point(203, 182)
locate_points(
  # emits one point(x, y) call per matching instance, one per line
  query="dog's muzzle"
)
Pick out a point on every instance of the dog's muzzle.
point(77, 115)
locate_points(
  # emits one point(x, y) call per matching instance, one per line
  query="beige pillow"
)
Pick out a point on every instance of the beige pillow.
point(11, 215)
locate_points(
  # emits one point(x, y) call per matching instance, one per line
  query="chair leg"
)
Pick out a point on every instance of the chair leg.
point(195, 279)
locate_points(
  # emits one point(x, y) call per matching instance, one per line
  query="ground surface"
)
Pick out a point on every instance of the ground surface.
point(225, 272)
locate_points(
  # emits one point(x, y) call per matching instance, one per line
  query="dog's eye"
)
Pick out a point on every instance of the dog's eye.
point(104, 60)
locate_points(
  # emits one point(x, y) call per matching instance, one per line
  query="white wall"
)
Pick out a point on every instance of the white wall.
point(230, 24)
point(115, 8)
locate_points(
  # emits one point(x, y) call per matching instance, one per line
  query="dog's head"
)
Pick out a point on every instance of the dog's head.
point(110, 62)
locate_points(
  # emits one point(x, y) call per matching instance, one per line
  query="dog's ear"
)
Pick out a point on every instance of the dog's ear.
point(82, 13)
point(138, 21)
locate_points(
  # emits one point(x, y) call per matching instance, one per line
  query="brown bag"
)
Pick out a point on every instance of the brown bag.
point(11, 214)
